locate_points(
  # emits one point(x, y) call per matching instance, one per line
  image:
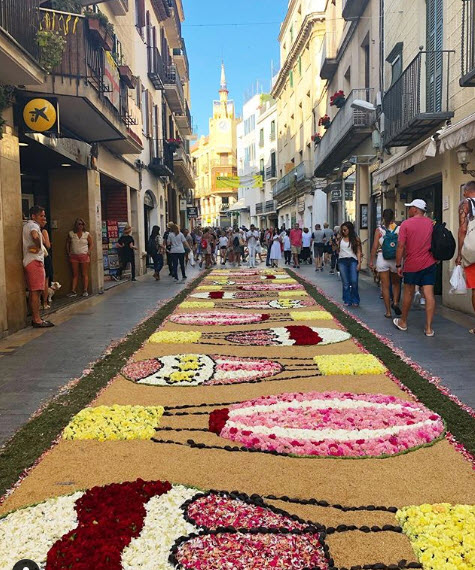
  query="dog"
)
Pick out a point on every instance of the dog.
point(55, 286)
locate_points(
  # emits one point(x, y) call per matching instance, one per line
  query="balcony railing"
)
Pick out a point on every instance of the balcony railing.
point(468, 44)
point(297, 179)
point(184, 120)
point(161, 159)
point(347, 130)
point(418, 101)
point(268, 207)
point(174, 89)
point(181, 58)
point(183, 166)
point(155, 67)
point(271, 172)
point(173, 25)
point(224, 163)
point(21, 20)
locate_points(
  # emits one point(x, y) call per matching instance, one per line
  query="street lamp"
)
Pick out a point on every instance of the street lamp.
point(463, 158)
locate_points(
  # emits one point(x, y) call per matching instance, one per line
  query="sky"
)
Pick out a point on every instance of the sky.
point(242, 33)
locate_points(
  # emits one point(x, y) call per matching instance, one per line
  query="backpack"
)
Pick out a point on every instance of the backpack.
point(389, 245)
point(236, 242)
point(151, 246)
point(204, 244)
point(468, 248)
point(443, 243)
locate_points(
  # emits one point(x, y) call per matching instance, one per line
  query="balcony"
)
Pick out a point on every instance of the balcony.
point(295, 182)
point(156, 70)
point(468, 44)
point(265, 208)
point(93, 101)
point(119, 7)
point(353, 9)
point(19, 52)
point(180, 57)
point(229, 161)
point(184, 172)
point(348, 129)
point(329, 61)
point(271, 173)
point(174, 89)
point(173, 25)
point(184, 121)
point(416, 104)
point(161, 162)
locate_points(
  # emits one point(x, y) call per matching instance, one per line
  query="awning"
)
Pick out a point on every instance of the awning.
point(419, 153)
point(457, 134)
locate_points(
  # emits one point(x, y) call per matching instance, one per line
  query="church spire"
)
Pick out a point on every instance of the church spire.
point(224, 87)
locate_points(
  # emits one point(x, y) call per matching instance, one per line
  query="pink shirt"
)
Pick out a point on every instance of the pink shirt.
point(296, 237)
point(416, 234)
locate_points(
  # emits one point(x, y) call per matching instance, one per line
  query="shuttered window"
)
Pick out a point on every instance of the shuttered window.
point(434, 66)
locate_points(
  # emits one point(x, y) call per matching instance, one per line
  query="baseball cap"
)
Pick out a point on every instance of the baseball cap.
point(417, 204)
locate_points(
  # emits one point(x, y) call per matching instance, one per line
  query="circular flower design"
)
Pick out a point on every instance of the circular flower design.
point(200, 369)
point(329, 424)
point(293, 335)
point(215, 318)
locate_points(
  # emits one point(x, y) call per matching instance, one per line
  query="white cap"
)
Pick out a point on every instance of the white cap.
point(418, 204)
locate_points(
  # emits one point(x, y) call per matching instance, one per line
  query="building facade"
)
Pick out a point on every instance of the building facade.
point(119, 152)
point(215, 156)
point(298, 90)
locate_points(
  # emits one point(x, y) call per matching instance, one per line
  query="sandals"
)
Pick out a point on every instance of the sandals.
point(388, 316)
point(431, 333)
point(396, 309)
point(398, 326)
point(42, 325)
point(471, 331)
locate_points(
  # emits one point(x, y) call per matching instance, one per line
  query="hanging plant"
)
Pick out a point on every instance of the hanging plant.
point(72, 6)
point(100, 29)
point(324, 121)
point(337, 99)
point(7, 96)
point(316, 138)
point(52, 46)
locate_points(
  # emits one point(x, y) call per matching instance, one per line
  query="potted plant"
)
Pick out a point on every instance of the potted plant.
point(324, 122)
point(316, 138)
point(52, 45)
point(100, 29)
point(337, 99)
point(127, 76)
point(72, 6)
point(174, 143)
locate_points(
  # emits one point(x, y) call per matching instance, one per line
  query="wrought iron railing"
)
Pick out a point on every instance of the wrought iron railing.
point(155, 67)
point(297, 175)
point(468, 44)
point(421, 90)
point(174, 8)
point(172, 77)
point(182, 156)
point(271, 172)
point(161, 155)
point(267, 207)
point(21, 20)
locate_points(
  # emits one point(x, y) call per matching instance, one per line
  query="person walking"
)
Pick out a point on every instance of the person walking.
point(327, 248)
point(318, 246)
point(466, 238)
point(155, 250)
point(275, 250)
point(350, 264)
point(178, 245)
point(48, 262)
point(190, 245)
point(127, 249)
point(296, 244)
point(415, 263)
point(252, 238)
point(33, 263)
point(237, 242)
point(384, 250)
point(334, 241)
point(287, 248)
point(78, 248)
point(306, 243)
point(223, 247)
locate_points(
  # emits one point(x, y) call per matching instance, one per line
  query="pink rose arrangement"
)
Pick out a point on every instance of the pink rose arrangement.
point(218, 318)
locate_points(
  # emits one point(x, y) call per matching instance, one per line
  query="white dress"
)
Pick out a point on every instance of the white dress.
point(275, 251)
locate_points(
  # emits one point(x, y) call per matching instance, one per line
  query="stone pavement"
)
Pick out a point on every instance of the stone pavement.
point(35, 364)
point(450, 354)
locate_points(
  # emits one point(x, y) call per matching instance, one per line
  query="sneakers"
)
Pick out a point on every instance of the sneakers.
point(85, 294)
point(72, 294)
point(423, 302)
point(42, 325)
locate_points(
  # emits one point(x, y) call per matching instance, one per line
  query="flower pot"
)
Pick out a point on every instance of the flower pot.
point(326, 126)
point(100, 34)
point(127, 77)
point(339, 102)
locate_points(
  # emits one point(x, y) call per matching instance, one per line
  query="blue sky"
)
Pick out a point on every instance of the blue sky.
point(247, 50)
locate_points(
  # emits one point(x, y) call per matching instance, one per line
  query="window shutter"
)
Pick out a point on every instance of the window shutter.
point(140, 15)
point(434, 64)
point(150, 114)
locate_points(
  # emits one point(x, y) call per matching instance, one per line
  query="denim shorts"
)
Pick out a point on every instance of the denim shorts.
point(424, 277)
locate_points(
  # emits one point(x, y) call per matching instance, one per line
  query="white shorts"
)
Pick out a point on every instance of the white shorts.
point(383, 265)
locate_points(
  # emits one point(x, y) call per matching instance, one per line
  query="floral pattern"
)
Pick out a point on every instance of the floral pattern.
point(112, 423)
point(442, 535)
point(200, 369)
point(215, 318)
point(175, 337)
point(272, 287)
point(197, 305)
point(349, 364)
point(294, 335)
point(276, 304)
point(311, 316)
point(329, 424)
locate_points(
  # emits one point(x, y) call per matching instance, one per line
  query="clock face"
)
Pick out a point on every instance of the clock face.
point(223, 126)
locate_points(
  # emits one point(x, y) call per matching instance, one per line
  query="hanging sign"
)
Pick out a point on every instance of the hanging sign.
point(40, 115)
point(182, 205)
point(192, 212)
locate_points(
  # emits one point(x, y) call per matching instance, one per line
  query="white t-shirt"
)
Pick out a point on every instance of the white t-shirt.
point(176, 242)
point(223, 241)
point(287, 246)
point(306, 238)
point(252, 237)
point(346, 250)
point(79, 245)
point(28, 243)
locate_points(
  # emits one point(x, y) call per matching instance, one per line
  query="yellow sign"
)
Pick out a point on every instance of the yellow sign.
point(40, 115)
point(223, 182)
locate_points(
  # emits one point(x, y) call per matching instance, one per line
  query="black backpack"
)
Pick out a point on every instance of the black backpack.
point(443, 243)
point(236, 242)
point(152, 246)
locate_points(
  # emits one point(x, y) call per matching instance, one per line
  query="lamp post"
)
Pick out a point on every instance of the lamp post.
point(463, 158)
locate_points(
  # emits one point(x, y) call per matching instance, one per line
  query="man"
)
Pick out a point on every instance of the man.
point(466, 218)
point(414, 243)
point(306, 242)
point(252, 237)
point(33, 263)
point(327, 248)
point(318, 246)
point(296, 244)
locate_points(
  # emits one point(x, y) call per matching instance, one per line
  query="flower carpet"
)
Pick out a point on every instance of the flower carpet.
point(250, 431)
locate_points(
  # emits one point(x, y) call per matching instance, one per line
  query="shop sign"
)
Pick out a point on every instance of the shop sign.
point(182, 205)
point(192, 212)
point(40, 115)
point(336, 195)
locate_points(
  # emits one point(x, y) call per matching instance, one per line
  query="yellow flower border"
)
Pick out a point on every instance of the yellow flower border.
point(311, 316)
point(197, 305)
point(349, 364)
point(175, 337)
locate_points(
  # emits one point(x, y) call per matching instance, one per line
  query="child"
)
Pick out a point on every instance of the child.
point(287, 248)
point(275, 252)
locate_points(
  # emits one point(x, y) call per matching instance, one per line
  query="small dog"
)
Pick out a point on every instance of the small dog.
point(55, 286)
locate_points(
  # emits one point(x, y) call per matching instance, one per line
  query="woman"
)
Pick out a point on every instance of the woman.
point(275, 250)
point(155, 250)
point(78, 248)
point(334, 247)
point(387, 232)
point(178, 245)
point(287, 248)
point(48, 267)
point(349, 262)
point(126, 247)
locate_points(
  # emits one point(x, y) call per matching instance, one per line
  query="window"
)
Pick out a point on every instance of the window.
point(261, 166)
point(249, 124)
point(140, 14)
point(261, 138)
point(395, 60)
point(272, 131)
